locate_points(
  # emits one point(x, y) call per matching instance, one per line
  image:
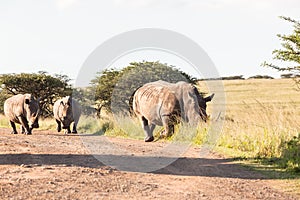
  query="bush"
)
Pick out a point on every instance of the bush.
point(261, 77)
point(289, 75)
point(239, 77)
point(290, 158)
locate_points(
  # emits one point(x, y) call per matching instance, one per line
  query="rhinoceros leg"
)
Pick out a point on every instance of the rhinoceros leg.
point(22, 129)
point(148, 129)
point(13, 125)
point(74, 130)
point(25, 125)
point(168, 126)
point(58, 128)
point(151, 129)
point(68, 130)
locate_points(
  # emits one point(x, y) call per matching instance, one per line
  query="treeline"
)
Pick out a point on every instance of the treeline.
point(241, 77)
point(290, 75)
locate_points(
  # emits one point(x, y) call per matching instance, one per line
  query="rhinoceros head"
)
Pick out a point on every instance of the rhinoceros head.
point(202, 104)
point(65, 111)
point(32, 109)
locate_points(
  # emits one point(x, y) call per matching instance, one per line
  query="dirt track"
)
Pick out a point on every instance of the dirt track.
point(49, 165)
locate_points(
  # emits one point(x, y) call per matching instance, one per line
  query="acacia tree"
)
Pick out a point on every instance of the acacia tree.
point(114, 88)
point(290, 52)
point(42, 85)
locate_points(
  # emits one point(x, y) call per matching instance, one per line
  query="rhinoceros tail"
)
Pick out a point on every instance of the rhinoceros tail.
point(131, 112)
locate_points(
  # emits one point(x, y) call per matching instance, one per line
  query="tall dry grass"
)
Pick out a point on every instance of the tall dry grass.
point(261, 115)
point(260, 129)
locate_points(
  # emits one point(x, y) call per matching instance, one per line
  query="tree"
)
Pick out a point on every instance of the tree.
point(3, 96)
point(46, 87)
point(288, 75)
point(261, 77)
point(114, 88)
point(290, 51)
point(85, 97)
point(103, 86)
point(238, 77)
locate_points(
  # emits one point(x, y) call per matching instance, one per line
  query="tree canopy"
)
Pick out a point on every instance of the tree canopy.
point(290, 52)
point(42, 85)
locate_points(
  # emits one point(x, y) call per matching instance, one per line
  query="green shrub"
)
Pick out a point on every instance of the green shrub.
point(290, 158)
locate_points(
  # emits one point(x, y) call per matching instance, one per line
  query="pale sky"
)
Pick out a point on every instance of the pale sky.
point(57, 36)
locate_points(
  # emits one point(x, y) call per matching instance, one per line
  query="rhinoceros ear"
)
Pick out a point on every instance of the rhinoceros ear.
point(209, 98)
point(27, 101)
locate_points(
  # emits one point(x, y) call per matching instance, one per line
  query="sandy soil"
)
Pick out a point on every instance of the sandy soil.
point(50, 165)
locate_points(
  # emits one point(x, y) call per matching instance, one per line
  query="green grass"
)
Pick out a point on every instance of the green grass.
point(45, 124)
point(91, 124)
point(87, 124)
point(4, 123)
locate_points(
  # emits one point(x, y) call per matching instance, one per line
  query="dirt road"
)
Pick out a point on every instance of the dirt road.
point(49, 165)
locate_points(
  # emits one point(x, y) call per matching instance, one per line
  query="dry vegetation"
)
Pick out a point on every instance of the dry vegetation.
point(261, 115)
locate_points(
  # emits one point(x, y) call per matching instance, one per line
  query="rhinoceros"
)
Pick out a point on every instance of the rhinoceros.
point(22, 109)
point(163, 104)
point(66, 111)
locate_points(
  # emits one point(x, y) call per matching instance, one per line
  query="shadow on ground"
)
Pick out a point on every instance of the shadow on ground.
point(181, 166)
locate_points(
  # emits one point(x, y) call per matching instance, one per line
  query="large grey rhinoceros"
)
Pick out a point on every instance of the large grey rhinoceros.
point(163, 104)
point(22, 109)
point(66, 111)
